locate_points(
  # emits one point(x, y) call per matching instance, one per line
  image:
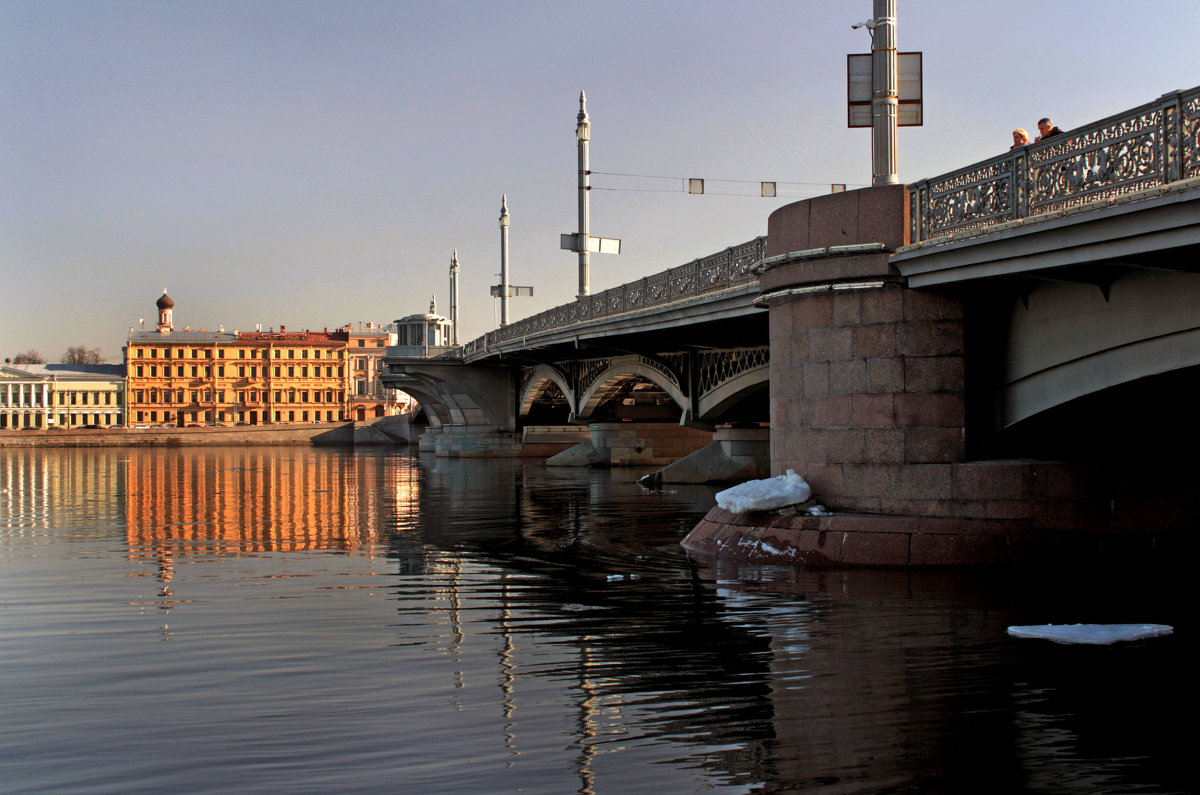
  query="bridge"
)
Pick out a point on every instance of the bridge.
point(926, 355)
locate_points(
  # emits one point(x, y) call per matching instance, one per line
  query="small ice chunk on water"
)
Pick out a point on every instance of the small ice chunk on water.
point(1097, 634)
point(766, 494)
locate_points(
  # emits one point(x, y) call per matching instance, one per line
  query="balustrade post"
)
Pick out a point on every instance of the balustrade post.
point(1172, 136)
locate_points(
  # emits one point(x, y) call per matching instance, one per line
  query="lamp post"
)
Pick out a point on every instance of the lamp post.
point(885, 94)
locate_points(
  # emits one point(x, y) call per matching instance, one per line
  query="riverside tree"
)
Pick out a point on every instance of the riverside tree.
point(80, 354)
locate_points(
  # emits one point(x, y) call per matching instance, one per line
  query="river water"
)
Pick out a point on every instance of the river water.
point(313, 620)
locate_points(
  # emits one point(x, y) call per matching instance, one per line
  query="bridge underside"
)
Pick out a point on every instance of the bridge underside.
point(1070, 306)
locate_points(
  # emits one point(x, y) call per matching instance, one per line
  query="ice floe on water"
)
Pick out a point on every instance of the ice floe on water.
point(766, 494)
point(1097, 634)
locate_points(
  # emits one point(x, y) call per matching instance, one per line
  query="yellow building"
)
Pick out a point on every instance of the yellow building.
point(187, 378)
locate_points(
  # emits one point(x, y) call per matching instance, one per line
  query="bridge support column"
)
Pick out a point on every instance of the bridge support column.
point(868, 403)
point(633, 444)
point(735, 455)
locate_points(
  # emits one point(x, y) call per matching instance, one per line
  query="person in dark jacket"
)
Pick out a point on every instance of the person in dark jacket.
point(1047, 130)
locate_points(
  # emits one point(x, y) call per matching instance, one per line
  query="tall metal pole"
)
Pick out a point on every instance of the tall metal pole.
point(504, 260)
point(454, 298)
point(583, 134)
point(885, 97)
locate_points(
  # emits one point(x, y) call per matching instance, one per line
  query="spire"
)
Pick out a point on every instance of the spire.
point(582, 118)
point(454, 262)
point(433, 304)
point(503, 209)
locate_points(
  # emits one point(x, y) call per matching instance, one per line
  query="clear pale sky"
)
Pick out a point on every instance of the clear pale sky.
point(315, 163)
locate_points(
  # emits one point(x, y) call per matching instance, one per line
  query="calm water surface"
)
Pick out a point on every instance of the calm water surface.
point(301, 620)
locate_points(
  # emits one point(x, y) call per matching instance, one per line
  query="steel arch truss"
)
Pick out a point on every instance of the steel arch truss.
point(703, 384)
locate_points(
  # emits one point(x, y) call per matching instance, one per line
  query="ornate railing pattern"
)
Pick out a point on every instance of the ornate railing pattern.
point(1151, 145)
point(694, 281)
point(717, 367)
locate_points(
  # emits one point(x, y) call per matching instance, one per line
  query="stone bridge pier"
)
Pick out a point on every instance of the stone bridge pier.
point(869, 402)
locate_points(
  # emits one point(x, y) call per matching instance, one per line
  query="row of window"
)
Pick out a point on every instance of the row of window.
point(243, 396)
point(89, 398)
point(140, 371)
point(196, 417)
point(255, 353)
point(64, 398)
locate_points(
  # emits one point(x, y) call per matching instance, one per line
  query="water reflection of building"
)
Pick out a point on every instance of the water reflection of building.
point(37, 490)
point(257, 499)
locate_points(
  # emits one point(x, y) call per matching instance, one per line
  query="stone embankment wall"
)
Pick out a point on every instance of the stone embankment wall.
point(343, 434)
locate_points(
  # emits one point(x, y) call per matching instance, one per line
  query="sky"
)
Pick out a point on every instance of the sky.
point(312, 164)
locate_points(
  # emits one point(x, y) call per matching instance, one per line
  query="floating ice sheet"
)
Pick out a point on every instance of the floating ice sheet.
point(765, 495)
point(1097, 634)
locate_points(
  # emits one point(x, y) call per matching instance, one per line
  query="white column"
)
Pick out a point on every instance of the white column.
point(504, 260)
point(583, 135)
point(885, 98)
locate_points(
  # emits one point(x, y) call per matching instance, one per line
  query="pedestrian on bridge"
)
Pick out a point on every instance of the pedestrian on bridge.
point(1047, 130)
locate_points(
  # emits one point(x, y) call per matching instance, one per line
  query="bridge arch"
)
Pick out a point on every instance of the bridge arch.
point(622, 370)
point(715, 403)
point(1073, 340)
point(543, 377)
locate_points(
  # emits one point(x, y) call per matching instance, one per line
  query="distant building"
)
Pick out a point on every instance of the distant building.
point(424, 335)
point(61, 396)
point(186, 378)
point(368, 396)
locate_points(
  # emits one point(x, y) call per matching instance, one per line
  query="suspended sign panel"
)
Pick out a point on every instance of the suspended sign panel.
point(858, 89)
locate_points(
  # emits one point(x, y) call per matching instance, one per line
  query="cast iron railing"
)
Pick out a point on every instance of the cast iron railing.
point(1151, 145)
point(694, 281)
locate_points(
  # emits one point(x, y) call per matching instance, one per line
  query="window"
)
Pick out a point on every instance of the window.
point(276, 371)
point(304, 353)
point(180, 397)
point(291, 396)
point(291, 371)
point(154, 353)
point(304, 396)
point(179, 371)
point(195, 396)
point(153, 371)
point(291, 416)
point(139, 370)
point(221, 370)
point(221, 354)
point(193, 369)
point(208, 371)
point(291, 353)
point(166, 397)
point(241, 372)
point(277, 397)
point(304, 371)
point(141, 396)
point(304, 416)
point(207, 395)
point(220, 395)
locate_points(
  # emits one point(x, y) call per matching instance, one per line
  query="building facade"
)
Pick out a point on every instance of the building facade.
point(197, 378)
point(62, 396)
